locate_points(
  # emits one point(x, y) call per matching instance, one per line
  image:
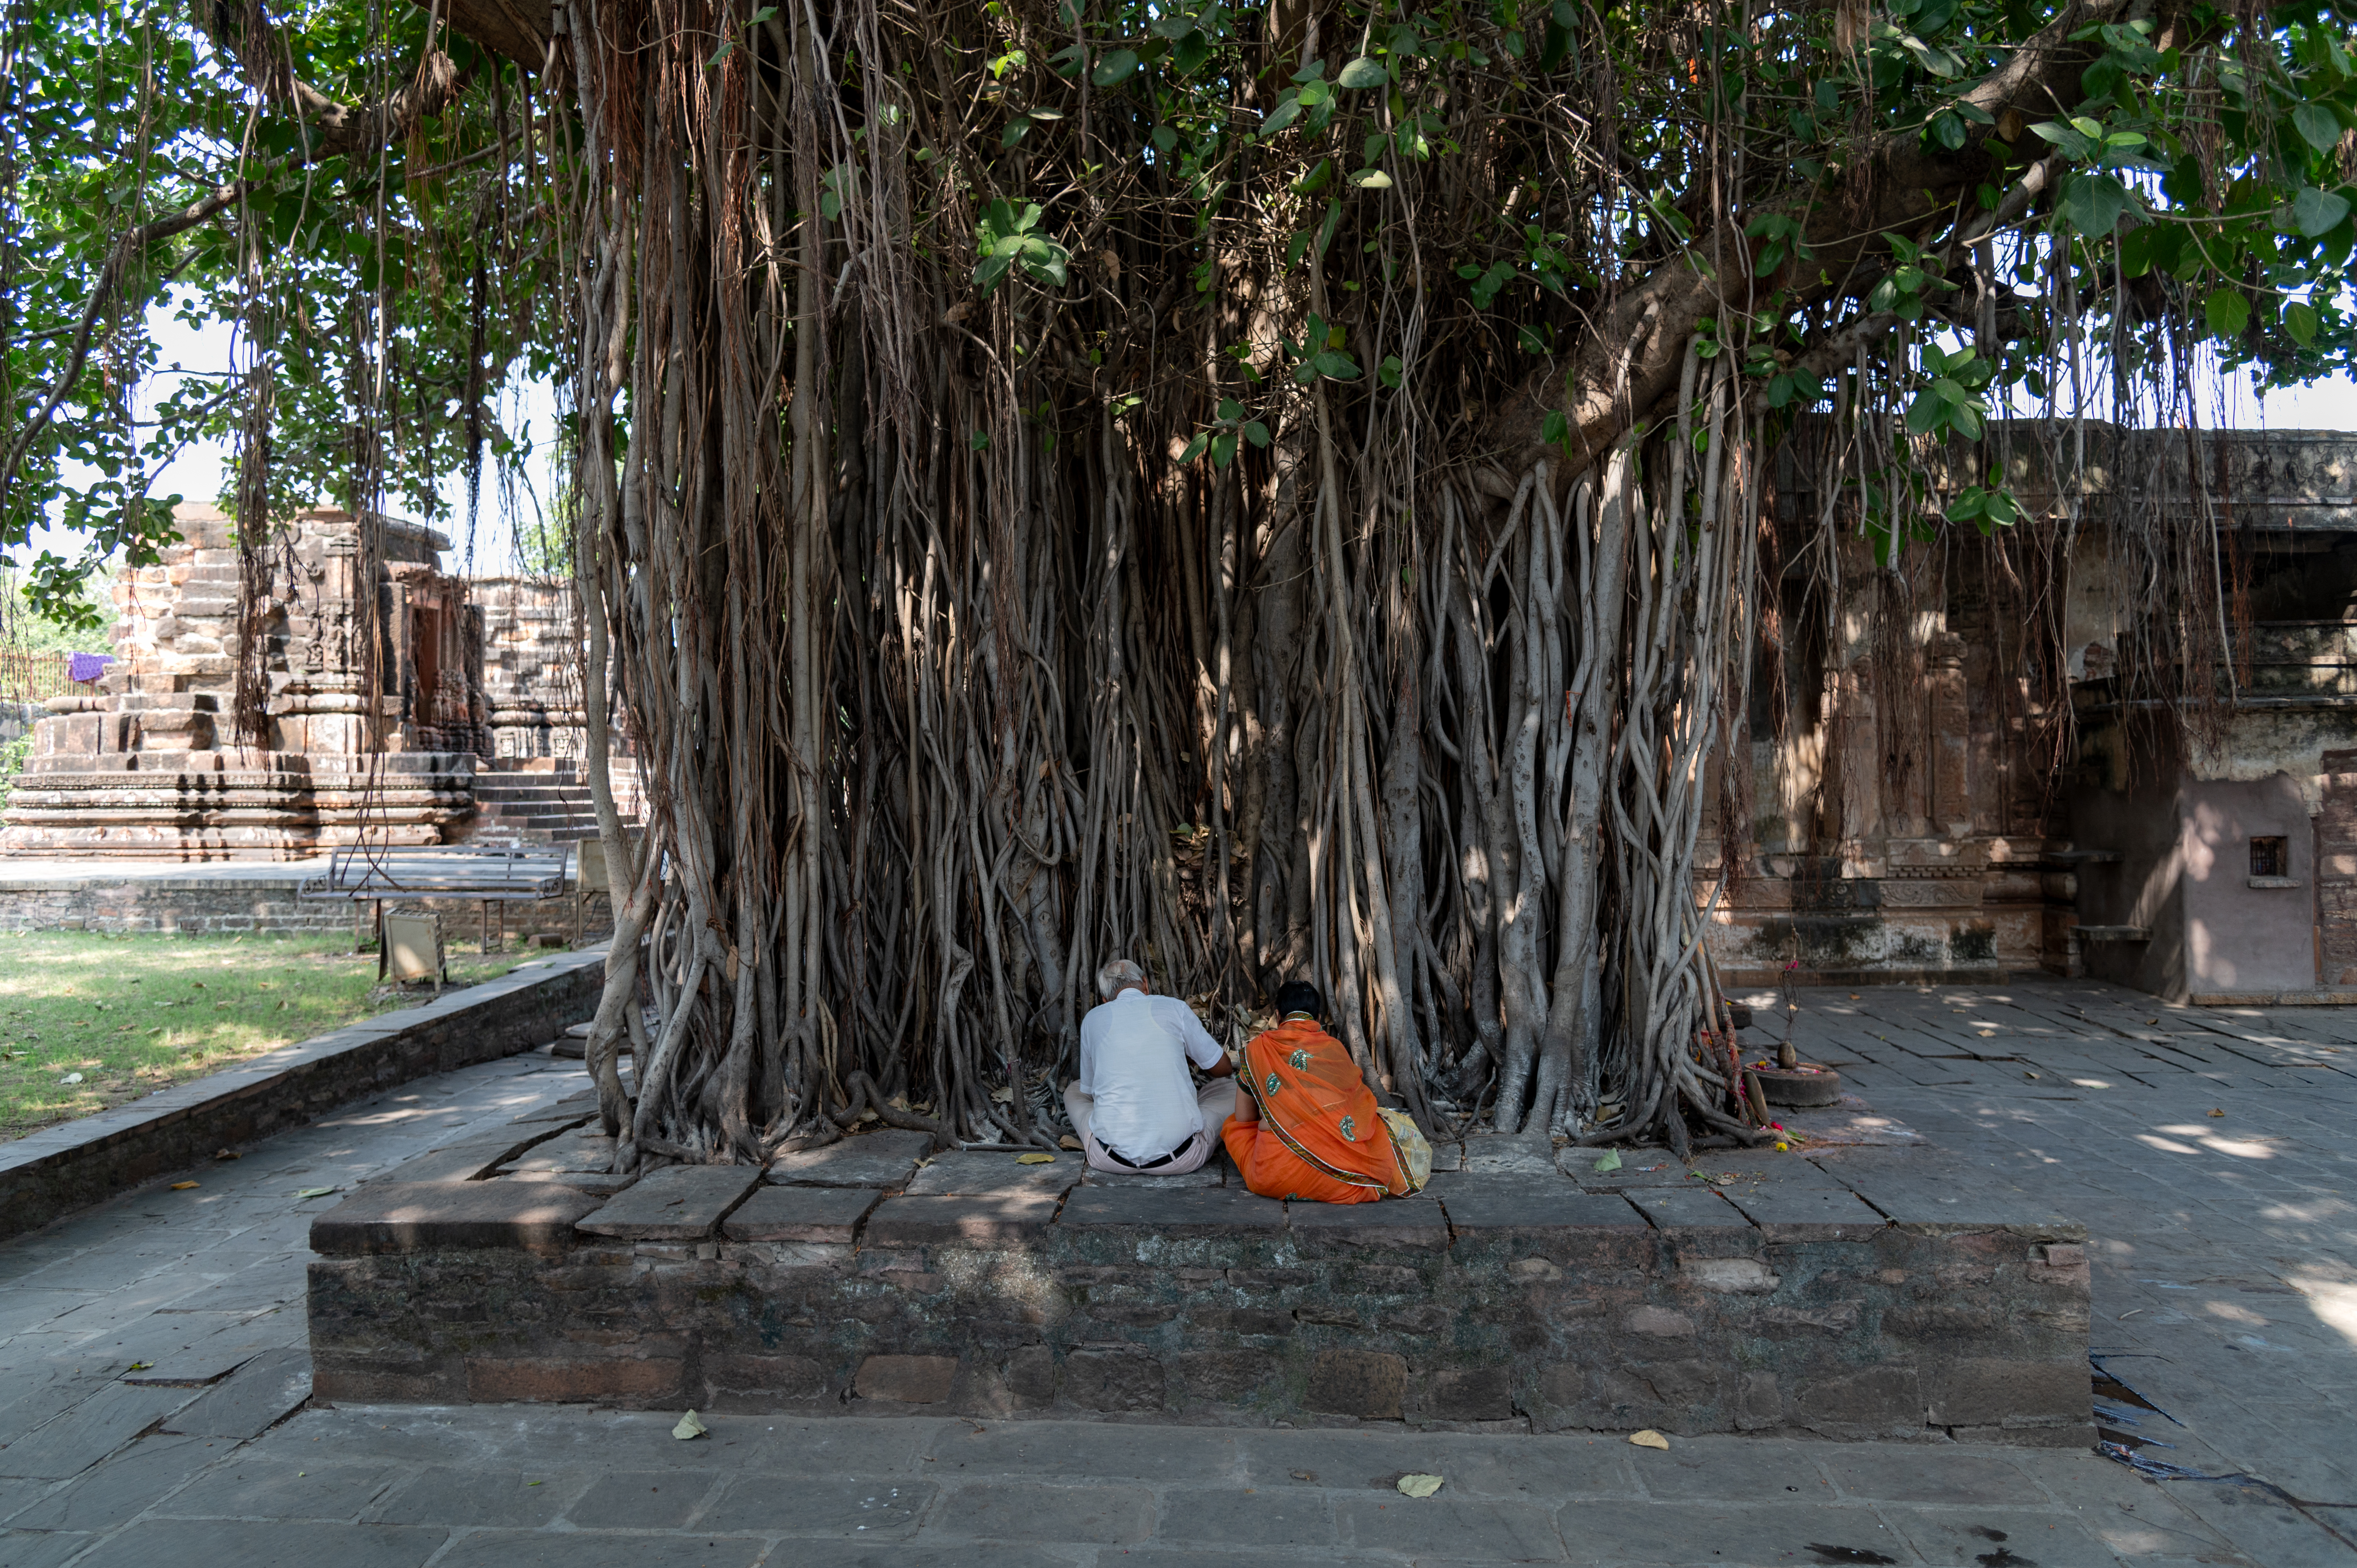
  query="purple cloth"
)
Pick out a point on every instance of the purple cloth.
point(87, 666)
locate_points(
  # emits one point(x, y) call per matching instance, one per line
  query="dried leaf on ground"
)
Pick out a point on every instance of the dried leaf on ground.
point(690, 1426)
point(1035, 1159)
point(1649, 1438)
point(1419, 1486)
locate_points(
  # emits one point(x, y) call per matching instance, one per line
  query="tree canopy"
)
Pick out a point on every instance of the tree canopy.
point(1267, 491)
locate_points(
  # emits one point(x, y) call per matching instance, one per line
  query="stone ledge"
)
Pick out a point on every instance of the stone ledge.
point(451, 1216)
point(1498, 1301)
point(53, 1172)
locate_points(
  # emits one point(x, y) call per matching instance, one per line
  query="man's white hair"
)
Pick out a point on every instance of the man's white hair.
point(1117, 976)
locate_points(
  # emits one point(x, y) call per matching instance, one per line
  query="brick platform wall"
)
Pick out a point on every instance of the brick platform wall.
point(1488, 1306)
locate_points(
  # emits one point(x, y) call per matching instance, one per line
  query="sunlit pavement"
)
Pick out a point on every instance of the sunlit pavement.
point(2224, 1251)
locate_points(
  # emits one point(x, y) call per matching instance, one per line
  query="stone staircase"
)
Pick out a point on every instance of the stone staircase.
point(543, 801)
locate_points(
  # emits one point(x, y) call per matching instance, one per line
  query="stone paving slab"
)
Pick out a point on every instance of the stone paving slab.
point(408, 1216)
point(1179, 1212)
point(886, 1158)
point(974, 1173)
point(801, 1214)
point(677, 1203)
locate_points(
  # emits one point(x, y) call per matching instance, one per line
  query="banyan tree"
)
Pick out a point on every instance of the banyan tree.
point(1264, 492)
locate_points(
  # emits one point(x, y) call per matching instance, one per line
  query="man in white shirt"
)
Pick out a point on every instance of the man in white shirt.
point(1133, 1107)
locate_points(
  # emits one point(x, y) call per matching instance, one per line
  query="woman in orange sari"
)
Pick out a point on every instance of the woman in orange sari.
point(1308, 1126)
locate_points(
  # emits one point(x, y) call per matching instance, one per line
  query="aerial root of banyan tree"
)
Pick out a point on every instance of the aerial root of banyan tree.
point(938, 704)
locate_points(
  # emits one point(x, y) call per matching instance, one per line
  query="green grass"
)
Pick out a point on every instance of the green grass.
point(135, 1013)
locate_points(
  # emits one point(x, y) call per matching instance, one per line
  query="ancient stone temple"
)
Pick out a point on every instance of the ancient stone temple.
point(396, 744)
point(2039, 752)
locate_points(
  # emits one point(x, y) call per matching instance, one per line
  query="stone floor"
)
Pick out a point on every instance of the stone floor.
point(2225, 1251)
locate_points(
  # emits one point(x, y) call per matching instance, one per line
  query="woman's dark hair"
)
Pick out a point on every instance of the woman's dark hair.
point(1299, 996)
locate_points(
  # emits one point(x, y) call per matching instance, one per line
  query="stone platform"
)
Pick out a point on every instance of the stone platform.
point(40, 893)
point(1847, 1295)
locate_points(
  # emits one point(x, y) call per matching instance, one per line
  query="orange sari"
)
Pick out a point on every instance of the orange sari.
point(1319, 1135)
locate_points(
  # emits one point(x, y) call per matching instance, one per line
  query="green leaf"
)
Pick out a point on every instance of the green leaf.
point(1363, 73)
point(1194, 448)
point(1554, 429)
point(1014, 134)
point(1372, 179)
point(2318, 212)
point(2299, 320)
point(2226, 311)
point(2063, 136)
point(1165, 138)
point(1388, 373)
point(1336, 364)
point(2094, 202)
point(2317, 125)
point(1926, 413)
point(1256, 433)
point(978, 442)
point(1114, 68)
point(1289, 107)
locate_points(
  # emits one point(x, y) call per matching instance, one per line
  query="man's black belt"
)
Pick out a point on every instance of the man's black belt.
point(1158, 1161)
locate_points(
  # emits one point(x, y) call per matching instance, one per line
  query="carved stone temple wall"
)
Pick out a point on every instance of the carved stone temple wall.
point(2038, 751)
point(369, 743)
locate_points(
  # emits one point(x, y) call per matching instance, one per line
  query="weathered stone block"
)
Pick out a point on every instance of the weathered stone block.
point(1470, 1393)
point(426, 1217)
point(629, 1383)
point(973, 1172)
point(675, 1203)
point(1808, 1214)
point(1987, 1391)
point(1030, 1377)
point(1221, 1376)
point(1870, 1401)
point(1396, 1224)
point(884, 1159)
point(1241, 1319)
point(1370, 1384)
point(1111, 1380)
point(907, 1379)
point(915, 1221)
point(1171, 1212)
point(800, 1214)
point(794, 1377)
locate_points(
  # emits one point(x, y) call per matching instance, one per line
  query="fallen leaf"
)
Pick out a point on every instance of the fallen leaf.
point(690, 1426)
point(182, 1185)
point(1649, 1438)
point(1610, 1162)
point(1068, 1142)
point(227, 1154)
point(2216, 1112)
point(1853, 997)
point(1419, 1486)
point(1035, 1159)
point(71, 1077)
point(1002, 1095)
point(315, 1192)
point(139, 1366)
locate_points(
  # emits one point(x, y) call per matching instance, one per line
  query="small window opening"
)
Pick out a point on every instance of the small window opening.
point(2268, 857)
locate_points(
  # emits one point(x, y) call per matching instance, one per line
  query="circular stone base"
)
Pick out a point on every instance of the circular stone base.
point(1801, 1086)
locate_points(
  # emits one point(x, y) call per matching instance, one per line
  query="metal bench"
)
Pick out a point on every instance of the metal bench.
point(518, 874)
